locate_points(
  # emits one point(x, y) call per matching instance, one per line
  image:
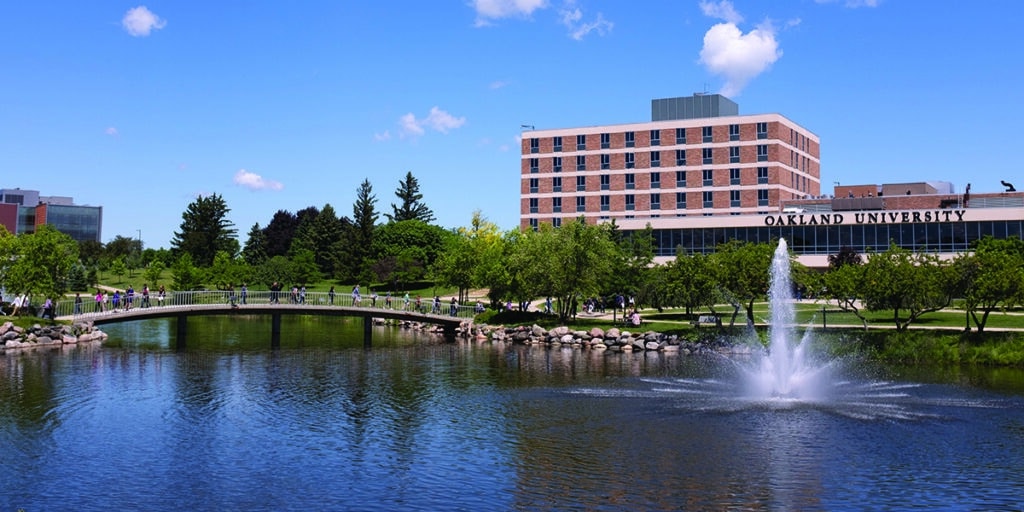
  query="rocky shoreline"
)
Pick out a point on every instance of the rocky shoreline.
point(613, 340)
point(14, 337)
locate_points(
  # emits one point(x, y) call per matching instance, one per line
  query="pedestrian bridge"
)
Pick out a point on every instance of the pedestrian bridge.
point(182, 305)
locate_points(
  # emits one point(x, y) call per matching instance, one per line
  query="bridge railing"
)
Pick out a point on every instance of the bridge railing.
point(177, 299)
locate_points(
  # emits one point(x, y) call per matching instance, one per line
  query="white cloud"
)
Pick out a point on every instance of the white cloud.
point(853, 4)
point(254, 181)
point(437, 120)
point(379, 137)
point(572, 16)
point(140, 21)
point(488, 10)
point(497, 84)
point(111, 131)
point(722, 10)
point(736, 56)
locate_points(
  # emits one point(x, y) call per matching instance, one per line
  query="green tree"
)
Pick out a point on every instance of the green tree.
point(279, 233)
point(414, 246)
point(205, 229)
point(78, 278)
point(843, 284)
point(908, 284)
point(991, 277)
point(325, 232)
point(303, 268)
point(255, 250)
point(227, 272)
point(41, 264)
point(277, 269)
point(355, 253)
point(411, 207)
point(742, 269)
point(119, 268)
point(185, 274)
point(90, 252)
point(692, 283)
point(153, 272)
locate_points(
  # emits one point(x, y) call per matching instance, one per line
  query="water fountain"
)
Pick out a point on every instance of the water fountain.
point(787, 371)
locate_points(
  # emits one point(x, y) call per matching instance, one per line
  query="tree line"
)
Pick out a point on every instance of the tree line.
point(570, 264)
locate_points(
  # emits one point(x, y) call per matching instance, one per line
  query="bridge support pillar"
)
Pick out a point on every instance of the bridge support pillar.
point(275, 330)
point(182, 328)
point(449, 332)
point(367, 331)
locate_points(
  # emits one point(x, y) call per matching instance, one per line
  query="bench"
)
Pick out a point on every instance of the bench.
point(706, 320)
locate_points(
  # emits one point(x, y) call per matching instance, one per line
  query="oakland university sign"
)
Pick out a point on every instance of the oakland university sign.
point(839, 219)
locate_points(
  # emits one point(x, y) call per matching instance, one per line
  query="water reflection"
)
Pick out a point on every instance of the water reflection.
point(419, 424)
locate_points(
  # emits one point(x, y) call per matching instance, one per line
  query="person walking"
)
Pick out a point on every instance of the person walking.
point(78, 304)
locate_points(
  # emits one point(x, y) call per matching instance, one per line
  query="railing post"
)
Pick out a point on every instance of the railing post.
point(824, 318)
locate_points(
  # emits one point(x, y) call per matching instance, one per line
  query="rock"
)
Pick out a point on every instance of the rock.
point(68, 339)
point(566, 338)
point(559, 331)
point(538, 331)
point(596, 332)
point(612, 333)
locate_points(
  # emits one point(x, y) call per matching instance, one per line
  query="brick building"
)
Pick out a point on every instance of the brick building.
point(696, 157)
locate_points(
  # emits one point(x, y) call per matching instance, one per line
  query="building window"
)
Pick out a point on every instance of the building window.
point(680, 135)
point(606, 203)
point(556, 184)
point(556, 204)
point(581, 203)
point(558, 144)
point(606, 141)
point(655, 180)
point(734, 176)
point(581, 142)
point(734, 198)
point(581, 183)
point(630, 181)
point(534, 185)
point(534, 165)
point(655, 201)
point(630, 160)
point(533, 205)
point(706, 133)
point(762, 152)
point(681, 179)
point(556, 222)
point(762, 197)
point(680, 200)
point(762, 175)
point(630, 202)
point(606, 182)
point(534, 145)
point(708, 200)
point(655, 137)
point(734, 132)
point(556, 164)
point(708, 175)
point(734, 155)
point(680, 157)
point(708, 154)
point(762, 130)
point(581, 162)
point(630, 139)
point(655, 159)
point(606, 161)
point(533, 224)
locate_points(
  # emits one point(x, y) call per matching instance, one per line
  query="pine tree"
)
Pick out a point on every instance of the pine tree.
point(411, 207)
point(205, 230)
point(255, 251)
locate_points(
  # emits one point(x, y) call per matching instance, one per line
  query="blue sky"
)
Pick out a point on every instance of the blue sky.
point(284, 105)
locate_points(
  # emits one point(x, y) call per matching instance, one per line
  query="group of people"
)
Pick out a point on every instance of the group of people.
point(121, 300)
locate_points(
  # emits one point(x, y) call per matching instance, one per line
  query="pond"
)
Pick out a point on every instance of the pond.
point(416, 423)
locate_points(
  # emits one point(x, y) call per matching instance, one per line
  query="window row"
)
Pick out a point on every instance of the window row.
point(654, 180)
point(654, 159)
point(653, 139)
point(654, 201)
